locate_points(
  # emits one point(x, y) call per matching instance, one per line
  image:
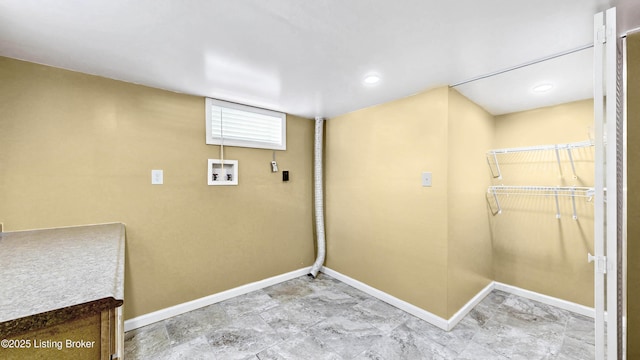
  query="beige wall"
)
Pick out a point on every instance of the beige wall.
point(386, 230)
point(471, 132)
point(383, 227)
point(79, 149)
point(633, 196)
point(532, 249)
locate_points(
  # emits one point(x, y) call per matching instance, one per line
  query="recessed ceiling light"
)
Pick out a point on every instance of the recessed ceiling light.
point(542, 88)
point(371, 79)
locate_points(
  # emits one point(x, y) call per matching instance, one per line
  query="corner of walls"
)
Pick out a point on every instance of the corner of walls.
point(383, 227)
point(470, 257)
point(533, 249)
point(388, 231)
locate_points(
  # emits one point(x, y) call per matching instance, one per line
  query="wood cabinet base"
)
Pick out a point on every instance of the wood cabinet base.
point(91, 337)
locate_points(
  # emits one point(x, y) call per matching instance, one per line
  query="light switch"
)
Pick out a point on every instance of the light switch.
point(157, 177)
point(426, 179)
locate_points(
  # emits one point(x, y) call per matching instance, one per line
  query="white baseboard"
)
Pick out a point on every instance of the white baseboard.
point(460, 314)
point(390, 299)
point(545, 299)
point(425, 315)
point(166, 313)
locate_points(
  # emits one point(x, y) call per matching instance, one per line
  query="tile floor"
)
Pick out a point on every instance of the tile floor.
point(324, 318)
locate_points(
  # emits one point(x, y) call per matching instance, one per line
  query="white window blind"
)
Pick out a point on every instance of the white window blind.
point(241, 125)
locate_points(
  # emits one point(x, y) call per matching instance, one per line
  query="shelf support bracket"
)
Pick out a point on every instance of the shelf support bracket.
point(573, 167)
point(559, 164)
point(495, 197)
point(495, 161)
point(573, 201)
point(557, 205)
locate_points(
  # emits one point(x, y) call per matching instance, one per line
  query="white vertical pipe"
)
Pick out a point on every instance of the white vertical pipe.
point(318, 197)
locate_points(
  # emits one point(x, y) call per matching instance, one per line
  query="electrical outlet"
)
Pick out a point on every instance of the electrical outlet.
point(426, 179)
point(157, 177)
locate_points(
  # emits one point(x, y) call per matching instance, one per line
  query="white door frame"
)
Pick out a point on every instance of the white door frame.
point(607, 106)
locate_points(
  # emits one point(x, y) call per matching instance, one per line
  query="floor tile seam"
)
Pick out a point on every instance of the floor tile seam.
point(248, 313)
point(365, 312)
point(564, 339)
point(456, 338)
point(373, 314)
point(579, 340)
point(532, 337)
point(378, 330)
point(314, 324)
point(165, 331)
point(397, 327)
point(302, 329)
point(465, 348)
point(429, 344)
point(511, 329)
point(564, 333)
point(203, 336)
point(327, 344)
point(271, 346)
point(309, 296)
point(195, 337)
point(566, 314)
point(509, 350)
point(494, 310)
point(539, 322)
point(228, 328)
point(322, 343)
point(491, 316)
point(486, 347)
point(360, 353)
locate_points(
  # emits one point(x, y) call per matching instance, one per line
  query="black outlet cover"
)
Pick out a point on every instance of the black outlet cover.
point(285, 175)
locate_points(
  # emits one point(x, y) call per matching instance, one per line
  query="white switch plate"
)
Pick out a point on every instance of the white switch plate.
point(426, 179)
point(157, 177)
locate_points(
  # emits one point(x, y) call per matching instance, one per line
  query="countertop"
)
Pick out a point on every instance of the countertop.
point(50, 276)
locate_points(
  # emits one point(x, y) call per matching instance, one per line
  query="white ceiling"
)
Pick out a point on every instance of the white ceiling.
point(570, 75)
point(303, 57)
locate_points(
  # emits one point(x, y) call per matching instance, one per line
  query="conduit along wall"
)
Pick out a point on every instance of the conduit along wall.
point(318, 196)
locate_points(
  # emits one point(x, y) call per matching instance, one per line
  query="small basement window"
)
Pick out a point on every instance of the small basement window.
point(231, 124)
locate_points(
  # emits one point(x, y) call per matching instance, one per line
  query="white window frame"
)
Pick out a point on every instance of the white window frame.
point(211, 140)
